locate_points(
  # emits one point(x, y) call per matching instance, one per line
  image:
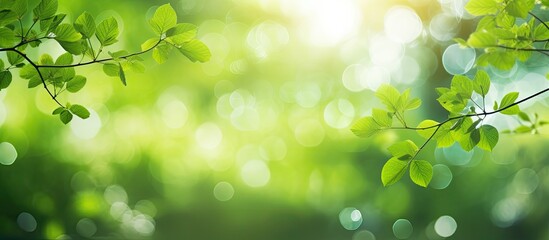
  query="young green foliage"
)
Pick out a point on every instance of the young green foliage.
point(77, 39)
point(392, 171)
point(421, 172)
point(465, 124)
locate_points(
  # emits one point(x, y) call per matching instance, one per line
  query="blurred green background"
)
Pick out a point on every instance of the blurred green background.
point(255, 144)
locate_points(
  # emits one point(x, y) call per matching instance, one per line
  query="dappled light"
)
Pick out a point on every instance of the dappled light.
point(240, 119)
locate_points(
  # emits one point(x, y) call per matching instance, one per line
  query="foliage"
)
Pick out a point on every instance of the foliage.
point(84, 40)
point(508, 32)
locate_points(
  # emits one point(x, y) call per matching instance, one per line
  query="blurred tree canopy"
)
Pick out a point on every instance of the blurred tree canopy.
point(255, 143)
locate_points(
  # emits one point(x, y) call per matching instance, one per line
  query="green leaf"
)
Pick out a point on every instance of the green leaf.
point(404, 150)
point(64, 59)
point(523, 116)
point(76, 83)
point(49, 24)
point(501, 33)
point(442, 135)
point(65, 116)
point(523, 129)
point(541, 32)
point(163, 19)
point(500, 59)
point(382, 117)
point(28, 72)
point(481, 83)
point(161, 53)
point(520, 8)
point(45, 59)
point(462, 43)
point(195, 50)
point(46, 9)
point(58, 110)
point(452, 101)
point(388, 95)
point(482, 39)
point(421, 172)
point(505, 20)
point(20, 7)
point(133, 65)
point(392, 171)
point(107, 31)
point(7, 38)
point(7, 16)
point(430, 124)
point(150, 43)
point(118, 54)
point(34, 82)
point(462, 85)
point(181, 33)
point(65, 32)
point(1, 64)
point(473, 126)
point(85, 24)
point(75, 48)
point(413, 104)
point(507, 100)
point(5, 79)
point(482, 7)
point(489, 137)
point(463, 136)
point(474, 139)
point(121, 74)
point(111, 69)
point(365, 127)
point(79, 111)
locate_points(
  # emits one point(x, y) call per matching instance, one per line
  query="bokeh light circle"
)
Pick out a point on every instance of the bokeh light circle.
point(364, 235)
point(208, 135)
point(402, 229)
point(402, 24)
point(506, 212)
point(255, 173)
point(339, 113)
point(442, 177)
point(223, 191)
point(445, 226)
point(26, 222)
point(457, 60)
point(86, 227)
point(353, 78)
point(350, 218)
point(443, 27)
point(115, 193)
point(455, 155)
point(8, 153)
point(86, 128)
point(526, 181)
point(385, 52)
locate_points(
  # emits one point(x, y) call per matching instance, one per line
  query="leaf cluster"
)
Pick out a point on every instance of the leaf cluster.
point(464, 125)
point(508, 31)
point(86, 40)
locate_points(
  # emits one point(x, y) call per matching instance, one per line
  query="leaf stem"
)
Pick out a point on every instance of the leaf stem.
point(54, 97)
point(476, 114)
point(99, 60)
point(483, 114)
point(539, 19)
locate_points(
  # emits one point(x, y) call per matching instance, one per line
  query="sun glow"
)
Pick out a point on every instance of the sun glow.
point(325, 22)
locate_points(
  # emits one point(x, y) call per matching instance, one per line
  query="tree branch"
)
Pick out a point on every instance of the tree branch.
point(100, 60)
point(437, 126)
point(39, 74)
